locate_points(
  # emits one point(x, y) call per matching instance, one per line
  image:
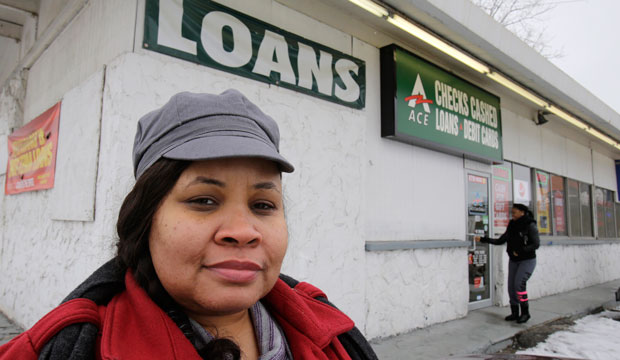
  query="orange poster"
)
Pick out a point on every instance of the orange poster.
point(32, 154)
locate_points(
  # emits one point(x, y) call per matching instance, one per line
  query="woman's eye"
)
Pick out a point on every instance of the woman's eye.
point(263, 206)
point(202, 201)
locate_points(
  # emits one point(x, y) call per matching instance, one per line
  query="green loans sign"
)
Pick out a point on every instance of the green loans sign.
point(425, 105)
point(210, 34)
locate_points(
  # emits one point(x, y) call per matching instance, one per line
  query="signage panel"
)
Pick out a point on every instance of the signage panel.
point(211, 34)
point(424, 105)
point(502, 197)
point(542, 202)
point(32, 154)
point(559, 208)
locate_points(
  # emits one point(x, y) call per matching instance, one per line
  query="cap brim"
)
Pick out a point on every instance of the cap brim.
point(217, 147)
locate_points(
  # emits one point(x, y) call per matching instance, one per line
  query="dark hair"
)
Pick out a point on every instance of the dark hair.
point(521, 207)
point(134, 226)
point(526, 211)
point(136, 214)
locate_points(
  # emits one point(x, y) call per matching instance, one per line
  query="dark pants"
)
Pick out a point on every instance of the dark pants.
point(518, 274)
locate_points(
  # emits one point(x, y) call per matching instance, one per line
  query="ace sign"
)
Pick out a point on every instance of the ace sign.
point(211, 34)
point(424, 105)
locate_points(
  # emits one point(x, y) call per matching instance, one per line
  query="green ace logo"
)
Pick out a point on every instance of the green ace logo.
point(418, 97)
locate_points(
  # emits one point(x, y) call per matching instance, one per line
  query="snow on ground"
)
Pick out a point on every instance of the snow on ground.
point(594, 337)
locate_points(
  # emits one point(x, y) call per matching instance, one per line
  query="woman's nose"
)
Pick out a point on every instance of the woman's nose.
point(238, 228)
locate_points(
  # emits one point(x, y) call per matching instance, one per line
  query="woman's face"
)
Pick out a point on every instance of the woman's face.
point(219, 237)
point(516, 213)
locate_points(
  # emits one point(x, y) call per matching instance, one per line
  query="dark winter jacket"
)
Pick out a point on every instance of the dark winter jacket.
point(110, 316)
point(521, 237)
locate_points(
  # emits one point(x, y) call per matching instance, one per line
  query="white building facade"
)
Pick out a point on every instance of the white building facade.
point(383, 224)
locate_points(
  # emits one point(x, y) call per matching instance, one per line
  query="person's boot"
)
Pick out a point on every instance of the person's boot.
point(514, 309)
point(525, 313)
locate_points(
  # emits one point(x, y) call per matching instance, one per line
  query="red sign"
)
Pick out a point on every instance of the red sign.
point(557, 188)
point(32, 154)
point(522, 189)
point(477, 179)
point(501, 205)
point(502, 196)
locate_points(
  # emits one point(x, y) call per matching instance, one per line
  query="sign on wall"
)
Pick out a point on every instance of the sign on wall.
point(477, 201)
point(211, 34)
point(32, 154)
point(424, 105)
point(542, 202)
point(521, 192)
point(559, 207)
point(502, 198)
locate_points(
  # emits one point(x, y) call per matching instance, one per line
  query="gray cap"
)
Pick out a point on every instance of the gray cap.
point(205, 126)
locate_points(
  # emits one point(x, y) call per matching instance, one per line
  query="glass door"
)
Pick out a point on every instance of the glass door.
point(478, 224)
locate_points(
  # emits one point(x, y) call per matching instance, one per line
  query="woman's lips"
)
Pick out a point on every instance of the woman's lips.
point(236, 271)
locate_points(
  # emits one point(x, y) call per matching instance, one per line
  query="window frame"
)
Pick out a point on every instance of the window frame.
point(535, 201)
point(582, 217)
point(552, 205)
point(607, 199)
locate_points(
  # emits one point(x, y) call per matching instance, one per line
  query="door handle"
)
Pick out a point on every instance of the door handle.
point(473, 242)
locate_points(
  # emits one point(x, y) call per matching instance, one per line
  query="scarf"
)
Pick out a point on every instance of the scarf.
point(271, 341)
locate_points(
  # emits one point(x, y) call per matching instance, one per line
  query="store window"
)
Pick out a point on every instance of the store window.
point(543, 201)
point(610, 217)
point(605, 214)
point(579, 208)
point(574, 207)
point(521, 185)
point(558, 196)
point(586, 209)
point(502, 197)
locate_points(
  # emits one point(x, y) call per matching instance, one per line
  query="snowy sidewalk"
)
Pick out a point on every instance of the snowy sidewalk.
point(593, 337)
point(485, 331)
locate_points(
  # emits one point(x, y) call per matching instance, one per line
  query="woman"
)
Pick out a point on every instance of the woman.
point(522, 238)
point(202, 237)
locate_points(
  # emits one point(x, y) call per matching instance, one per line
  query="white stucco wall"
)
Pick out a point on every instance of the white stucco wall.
point(48, 10)
point(41, 259)
point(604, 171)
point(547, 149)
point(579, 165)
point(408, 189)
point(8, 57)
point(522, 139)
point(79, 128)
point(553, 152)
point(410, 193)
point(566, 267)
point(408, 289)
point(98, 34)
point(560, 268)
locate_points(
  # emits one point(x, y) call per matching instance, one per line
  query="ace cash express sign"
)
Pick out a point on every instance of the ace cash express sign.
point(424, 105)
point(211, 34)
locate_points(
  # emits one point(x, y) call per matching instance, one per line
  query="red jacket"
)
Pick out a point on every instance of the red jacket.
point(132, 326)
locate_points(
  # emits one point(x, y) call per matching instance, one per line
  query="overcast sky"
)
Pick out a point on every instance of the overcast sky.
point(588, 31)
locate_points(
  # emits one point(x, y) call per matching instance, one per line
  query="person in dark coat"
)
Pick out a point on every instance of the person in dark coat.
point(522, 239)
